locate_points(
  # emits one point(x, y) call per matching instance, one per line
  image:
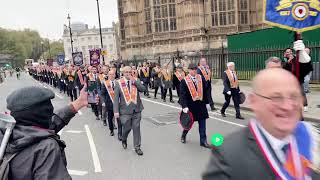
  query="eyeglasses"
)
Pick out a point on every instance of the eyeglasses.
point(281, 99)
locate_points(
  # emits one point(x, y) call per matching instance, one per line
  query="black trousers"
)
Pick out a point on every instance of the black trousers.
point(165, 93)
point(72, 92)
point(236, 101)
point(156, 91)
point(177, 86)
point(119, 127)
point(146, 84)
point(110, 119)
point(95, 109)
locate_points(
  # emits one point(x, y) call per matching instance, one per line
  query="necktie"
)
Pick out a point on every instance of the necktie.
point(128, 83)
point(234, 77)
point(285, 150)
point(112, 85)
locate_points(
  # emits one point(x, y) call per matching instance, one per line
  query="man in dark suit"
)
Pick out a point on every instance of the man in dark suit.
point(92, 82)
point(107, 98)
point(264, 150)
point(127, 106)
point(145, 77)
point(193, 98)
point(231, 89)
point(205, 72)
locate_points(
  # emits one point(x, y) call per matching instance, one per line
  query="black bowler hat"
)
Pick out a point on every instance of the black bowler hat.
point(192, 66)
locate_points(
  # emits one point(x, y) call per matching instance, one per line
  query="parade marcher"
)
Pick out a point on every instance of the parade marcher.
point(71, 84)
point(300, 69)
point(156, 75)
point(205, 72)
point(135, 73)
point(38, 151)
point(193, 98)
point(145, 78)
point(275, 145)
point(92, 82)
point(307, 78)
point(167, 84)
point(81, 77)
point(177, 78)
point(107, 98)
point(128, 107)
point(103, 75)
point(231, 89)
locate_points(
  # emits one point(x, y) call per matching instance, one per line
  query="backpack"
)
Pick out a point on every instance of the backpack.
point(5, 163)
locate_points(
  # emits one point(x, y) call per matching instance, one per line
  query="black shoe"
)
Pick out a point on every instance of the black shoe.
point(114, 126)
point(111, 133)
point(205, 145)
point(124, 144)
point(240, 117)
point(155, 98)
point(148, 96)
point(223, 114)
point(213, 108)
point(139, 151)
point(183, 139)
point(98, 118)
point(105, 123)
point(171, 101)
point(119, 137)
point(164, 100)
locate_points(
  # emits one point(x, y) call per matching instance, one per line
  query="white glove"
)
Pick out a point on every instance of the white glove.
point(304, 57)
point(229, 93)
point(298, 45)
point(185, 110)
point(208, 107)
point(151, 79)
point(103, 104)
point(142, 82)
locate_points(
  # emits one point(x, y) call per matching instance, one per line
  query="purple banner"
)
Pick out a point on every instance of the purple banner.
point(95, 57)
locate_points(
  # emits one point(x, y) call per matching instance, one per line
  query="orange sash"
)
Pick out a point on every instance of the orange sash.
point(128, 97)
point(91, 77)
point(80, 77)
point(233, 83)
point(179, 75)
point(145, 72)
point(71, 76)
point(205, 73)
point(109, 88)
point(59, 74)
point(196, 94)
point(166, 75)
point(101, 77)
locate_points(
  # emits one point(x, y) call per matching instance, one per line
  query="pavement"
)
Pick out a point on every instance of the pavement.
point(94, 155)
point(313, 97)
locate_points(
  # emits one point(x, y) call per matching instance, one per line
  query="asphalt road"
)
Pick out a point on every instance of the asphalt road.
point(93, 155)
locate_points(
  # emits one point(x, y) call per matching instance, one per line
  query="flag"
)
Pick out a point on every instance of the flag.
point(95, 57)
point(60, 59)
point(77, 58)
point(294, 15)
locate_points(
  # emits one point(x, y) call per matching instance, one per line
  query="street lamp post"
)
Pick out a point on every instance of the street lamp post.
point(71, 41)
point(100, 31)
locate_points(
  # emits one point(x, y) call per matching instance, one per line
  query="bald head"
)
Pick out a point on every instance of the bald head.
point(273, 76)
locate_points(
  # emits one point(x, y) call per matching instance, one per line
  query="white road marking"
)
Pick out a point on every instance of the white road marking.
point(60, 132)
point(236, 124)
point(95, 157)
point(80, 113)
point(77, 173)
point(74, 132)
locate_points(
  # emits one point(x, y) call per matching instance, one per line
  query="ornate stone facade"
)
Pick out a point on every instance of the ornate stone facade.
point(153, 28)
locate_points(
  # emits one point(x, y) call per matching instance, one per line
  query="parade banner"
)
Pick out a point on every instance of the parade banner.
point(77, 58)
point(60, 59)
point(294, 15)
point(50, 62)
point(95, 57)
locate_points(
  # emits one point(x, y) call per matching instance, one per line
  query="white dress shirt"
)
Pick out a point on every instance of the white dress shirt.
point(276, 144)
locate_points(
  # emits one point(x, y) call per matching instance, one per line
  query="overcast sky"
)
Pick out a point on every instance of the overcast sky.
point(48, 16)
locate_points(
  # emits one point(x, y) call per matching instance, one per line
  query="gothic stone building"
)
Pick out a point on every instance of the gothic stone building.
point(153, 28)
